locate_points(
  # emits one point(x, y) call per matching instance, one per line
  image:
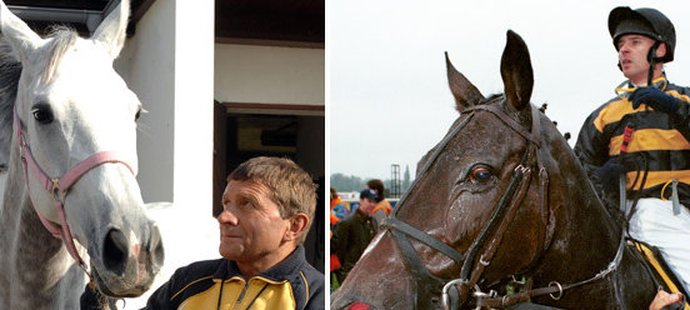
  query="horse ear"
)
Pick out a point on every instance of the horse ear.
point(18, 34)
point(516, 71)
point(111, 33)
point(466, 94)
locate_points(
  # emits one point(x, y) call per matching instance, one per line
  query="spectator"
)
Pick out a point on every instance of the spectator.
point(382, 208)
point(352, 235)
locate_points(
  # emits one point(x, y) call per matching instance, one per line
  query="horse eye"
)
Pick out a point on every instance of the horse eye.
point(136, 116)
point(480, 174)
point(42, 113)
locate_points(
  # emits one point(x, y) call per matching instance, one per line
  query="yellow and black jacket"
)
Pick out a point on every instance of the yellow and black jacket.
point(659, 139)
point(218, 284)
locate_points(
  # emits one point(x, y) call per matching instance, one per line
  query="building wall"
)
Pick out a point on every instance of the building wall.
point(265, 74)
point(147, 63)
point(194, 29)
point(168, 63)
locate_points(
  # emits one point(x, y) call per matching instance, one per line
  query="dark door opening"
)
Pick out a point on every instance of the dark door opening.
point(240, 136)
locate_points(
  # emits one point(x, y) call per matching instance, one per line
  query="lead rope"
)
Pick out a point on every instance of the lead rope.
point(94, 299)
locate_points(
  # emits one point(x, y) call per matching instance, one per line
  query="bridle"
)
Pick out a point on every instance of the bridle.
point(58, 187)
point(472, 268)
point(481, 251)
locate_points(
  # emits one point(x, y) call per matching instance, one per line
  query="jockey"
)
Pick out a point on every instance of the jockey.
point(655, 158)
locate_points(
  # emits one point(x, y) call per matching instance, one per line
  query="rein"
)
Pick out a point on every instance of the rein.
point(58, 187)
point(493, 230)
point(487, 300)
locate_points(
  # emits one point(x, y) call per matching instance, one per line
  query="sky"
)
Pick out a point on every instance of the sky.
point(387, 96)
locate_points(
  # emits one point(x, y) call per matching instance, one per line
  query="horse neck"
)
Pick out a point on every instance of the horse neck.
point(39, 268)
point(585, 235)
point(585, 242)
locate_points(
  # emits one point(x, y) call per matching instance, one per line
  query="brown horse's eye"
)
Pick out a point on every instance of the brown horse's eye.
point(480, 174)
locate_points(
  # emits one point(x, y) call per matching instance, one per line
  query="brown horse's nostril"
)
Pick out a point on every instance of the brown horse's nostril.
point(156, 248)
point(358, 306)
point(115, 251)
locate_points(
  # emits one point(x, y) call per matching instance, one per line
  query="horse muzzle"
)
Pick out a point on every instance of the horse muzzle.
point(126, 268)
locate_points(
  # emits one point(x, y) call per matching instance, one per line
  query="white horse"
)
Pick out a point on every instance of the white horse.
point(68, 145)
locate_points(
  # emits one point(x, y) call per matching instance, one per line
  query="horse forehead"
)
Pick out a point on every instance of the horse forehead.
point(482, 135)
point(84, 73)
point(81, 61)
point(87, 63)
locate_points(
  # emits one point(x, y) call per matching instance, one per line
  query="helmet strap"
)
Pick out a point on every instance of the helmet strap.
point(652, 59)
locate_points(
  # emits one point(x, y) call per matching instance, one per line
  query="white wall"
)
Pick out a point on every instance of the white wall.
point(147, 63)
point(194, 32)
point(169, 64)
point(264, 74)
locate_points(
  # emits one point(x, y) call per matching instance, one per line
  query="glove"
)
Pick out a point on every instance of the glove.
point(656, 99)
point(608, 175)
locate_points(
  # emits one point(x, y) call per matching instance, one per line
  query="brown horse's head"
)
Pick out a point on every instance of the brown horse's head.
point(481, 208)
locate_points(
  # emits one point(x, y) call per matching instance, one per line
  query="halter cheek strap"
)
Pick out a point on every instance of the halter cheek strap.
point(59, 187)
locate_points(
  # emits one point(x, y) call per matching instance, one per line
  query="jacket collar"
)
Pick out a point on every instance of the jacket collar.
point(626, 88)
point(276, 273)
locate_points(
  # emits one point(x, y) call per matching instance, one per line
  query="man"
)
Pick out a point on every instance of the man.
point(656, 162)
point(382, 208)
point(268, 206)
point(352, 236)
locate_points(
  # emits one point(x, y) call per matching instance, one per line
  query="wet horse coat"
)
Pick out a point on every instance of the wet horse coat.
point(503, 197)
point(68, 146)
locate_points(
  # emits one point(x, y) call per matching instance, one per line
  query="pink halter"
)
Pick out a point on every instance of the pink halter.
point(58, 187)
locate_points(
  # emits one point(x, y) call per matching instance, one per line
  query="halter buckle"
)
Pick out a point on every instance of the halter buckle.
point(58, 194)
point(522, 169)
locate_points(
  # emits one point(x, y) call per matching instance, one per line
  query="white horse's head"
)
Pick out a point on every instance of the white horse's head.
point(71, 104)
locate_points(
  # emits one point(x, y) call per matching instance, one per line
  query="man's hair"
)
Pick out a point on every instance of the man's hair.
point(289, 186)
point(377, 185)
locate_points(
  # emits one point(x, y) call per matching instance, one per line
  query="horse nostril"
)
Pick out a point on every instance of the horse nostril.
point(115, 251)
point(358, 306)
point(156, 248)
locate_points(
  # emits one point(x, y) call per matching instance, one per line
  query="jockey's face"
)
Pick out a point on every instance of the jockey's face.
point(632, 56)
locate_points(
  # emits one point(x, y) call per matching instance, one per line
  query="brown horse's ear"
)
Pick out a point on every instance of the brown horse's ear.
point(466, 94)
point(516, 71)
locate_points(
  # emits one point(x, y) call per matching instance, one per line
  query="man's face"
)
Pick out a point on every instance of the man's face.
point(632, 55)
point(366, 205)
point(250, 225)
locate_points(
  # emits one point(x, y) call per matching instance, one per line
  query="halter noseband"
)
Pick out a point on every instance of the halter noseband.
point(506, 207)
point(58, 187)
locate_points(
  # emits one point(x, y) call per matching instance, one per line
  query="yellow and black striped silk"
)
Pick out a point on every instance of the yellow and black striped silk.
point(660, 142)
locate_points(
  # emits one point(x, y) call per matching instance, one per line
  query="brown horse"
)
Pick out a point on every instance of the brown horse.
point(501, 212)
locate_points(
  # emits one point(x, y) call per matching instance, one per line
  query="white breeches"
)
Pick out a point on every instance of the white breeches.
point(655, 224)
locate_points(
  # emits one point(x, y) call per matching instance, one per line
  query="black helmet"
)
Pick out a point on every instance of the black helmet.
point(644, 21)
